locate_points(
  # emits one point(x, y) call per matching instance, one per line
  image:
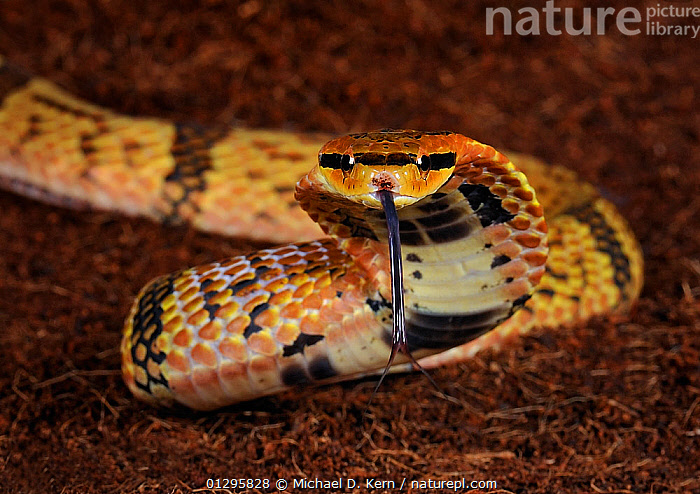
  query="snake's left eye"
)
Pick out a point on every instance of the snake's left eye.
point(424, 163)
point(439, 161)
point(346, 163)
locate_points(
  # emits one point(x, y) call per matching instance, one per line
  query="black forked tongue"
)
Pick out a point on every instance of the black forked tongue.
point(398, 336)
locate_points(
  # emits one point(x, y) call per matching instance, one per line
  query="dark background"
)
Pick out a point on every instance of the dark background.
point(610, 406)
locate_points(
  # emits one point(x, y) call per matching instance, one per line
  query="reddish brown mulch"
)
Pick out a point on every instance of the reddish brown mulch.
point(610, 406)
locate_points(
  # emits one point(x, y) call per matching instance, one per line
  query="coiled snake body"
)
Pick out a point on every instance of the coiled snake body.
point(480, 262)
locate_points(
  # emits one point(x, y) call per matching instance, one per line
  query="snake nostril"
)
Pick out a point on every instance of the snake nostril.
point(384, 181)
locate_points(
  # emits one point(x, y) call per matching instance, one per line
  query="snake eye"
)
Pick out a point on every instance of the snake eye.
point(346, 163)
point(439, 161)
point(424, 163)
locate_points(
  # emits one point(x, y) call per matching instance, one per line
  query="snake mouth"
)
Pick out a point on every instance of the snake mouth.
point(373, 199)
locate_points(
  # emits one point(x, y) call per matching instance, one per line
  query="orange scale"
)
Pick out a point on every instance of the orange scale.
point(189, 294)
point(328, 292)
point(263, 343)
point(312, 325)
point(270, 274)
point(244, 276)
point(308, 247)
point(177, 360)
point(312, 301)
point(304, 290)
point(194, 304)
point(168, 302)
point(513, 269)
point(140, 375)
point(495, 234)
point(181, 284)
point(204, 355)
point(282, 251)
point(292, 310)
point(323, 280)
point(204, 269)
point(497, 169)
point(499, 190)
point(280, 298)
point(353, 279)
point(210, 331)
point(238, 325)
point(542, 226)
point(198, 318)
point(484, 179)
point(249, 290)
point(234, 349)
point(287, 333)
point(287, 260)
point(216, 285)
point(331, 316)
point(221, 298)
point(528, 240)
point(524, 194)
point(276, 285)
point(268, 318)
point(231, 261)
point(535, 258)
point(511, 180)
point(149, 331)
point(162, 343)
point(297, 269)
point(534, 210)
point(516, 289)
point(254, 302)
point(535, 276)
point(153, 369)
point(260, 262)
point(315, 256)
point(236, 269)
point(169, 313)
point(228, 310)
point(508, 248)
point(520, 223)
point(510, 205)
point(141, 351)
point(183, 338)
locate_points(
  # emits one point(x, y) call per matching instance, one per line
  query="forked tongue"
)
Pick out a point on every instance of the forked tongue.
point(398, 335)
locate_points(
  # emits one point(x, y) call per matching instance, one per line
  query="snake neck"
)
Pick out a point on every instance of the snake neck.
point(473, 252)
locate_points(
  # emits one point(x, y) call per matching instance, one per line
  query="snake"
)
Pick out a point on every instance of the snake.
point(474, 262)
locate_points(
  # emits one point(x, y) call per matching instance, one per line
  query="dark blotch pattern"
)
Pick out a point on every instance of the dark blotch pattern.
point(607, 242)
point(148, 320)
point(485, 204)
point(499, 261)
point(191, 153)
point(302, 341)
point(294, 375)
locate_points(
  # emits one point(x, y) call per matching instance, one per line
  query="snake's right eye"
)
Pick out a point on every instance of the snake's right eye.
point(346, 163)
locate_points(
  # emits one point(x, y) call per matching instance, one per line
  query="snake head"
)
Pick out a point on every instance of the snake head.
point(408, 163)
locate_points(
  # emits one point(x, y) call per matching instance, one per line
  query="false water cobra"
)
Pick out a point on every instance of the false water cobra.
point(480, 263)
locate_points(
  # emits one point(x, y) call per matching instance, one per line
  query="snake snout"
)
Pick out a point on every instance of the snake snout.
point(385, 180)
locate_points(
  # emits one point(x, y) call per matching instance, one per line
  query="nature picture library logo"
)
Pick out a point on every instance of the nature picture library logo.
point(657, 19)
